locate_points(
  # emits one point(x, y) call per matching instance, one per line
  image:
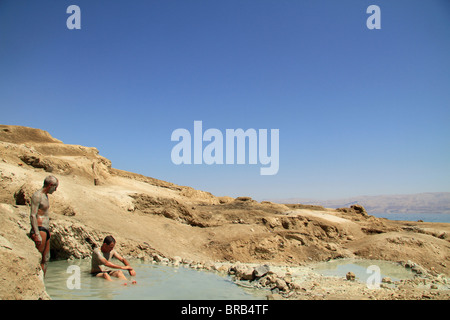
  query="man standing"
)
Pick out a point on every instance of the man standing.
point(102, 256)
point(40, 222)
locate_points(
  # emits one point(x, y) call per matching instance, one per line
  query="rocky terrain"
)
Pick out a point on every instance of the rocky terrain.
point(164, 222)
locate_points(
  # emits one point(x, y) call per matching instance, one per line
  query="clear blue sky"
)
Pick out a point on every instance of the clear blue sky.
point(360, 112)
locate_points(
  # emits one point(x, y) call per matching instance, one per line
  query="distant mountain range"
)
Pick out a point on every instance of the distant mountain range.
point(432, 202)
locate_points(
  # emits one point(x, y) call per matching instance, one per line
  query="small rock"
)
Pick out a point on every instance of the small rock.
point(208, 266)
point(331, 246)
point(295, 286)
point(350, 276)
point(288, 279)
point(244, 272)
point(281, 284)
point(409, 264)
point(177, 260)
point(222, 269)
point(261, 270)
point(386, 280)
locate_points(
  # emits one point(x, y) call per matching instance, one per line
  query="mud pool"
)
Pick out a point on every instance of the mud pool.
point(362, 269)
point(154, 282)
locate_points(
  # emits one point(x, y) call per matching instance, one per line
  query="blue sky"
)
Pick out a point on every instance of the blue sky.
point(359, 111)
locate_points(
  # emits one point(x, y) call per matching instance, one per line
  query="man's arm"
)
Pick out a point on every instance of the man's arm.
point(35, 201)
point(125, 262)
point(114, 266)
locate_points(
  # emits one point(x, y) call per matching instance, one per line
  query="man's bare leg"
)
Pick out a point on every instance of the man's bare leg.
point(44, 249)
point(118, 274)
point(104, 275)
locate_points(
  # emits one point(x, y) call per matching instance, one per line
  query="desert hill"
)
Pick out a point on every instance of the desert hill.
point(155, 218)
point(428, 202)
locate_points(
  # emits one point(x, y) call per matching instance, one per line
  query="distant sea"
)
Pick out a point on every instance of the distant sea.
point(426, 217)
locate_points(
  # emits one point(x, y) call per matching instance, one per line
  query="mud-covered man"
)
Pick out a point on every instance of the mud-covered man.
point(101, 257)
point(40, 222)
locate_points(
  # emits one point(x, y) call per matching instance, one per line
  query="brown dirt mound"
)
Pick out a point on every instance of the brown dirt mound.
point(18, 134)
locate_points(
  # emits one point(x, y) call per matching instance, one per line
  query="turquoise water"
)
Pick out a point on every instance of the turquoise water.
point(154, 282)
point(426, 217)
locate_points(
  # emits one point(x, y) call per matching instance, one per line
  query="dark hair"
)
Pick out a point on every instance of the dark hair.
point(50, 180)
point(109, 239)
